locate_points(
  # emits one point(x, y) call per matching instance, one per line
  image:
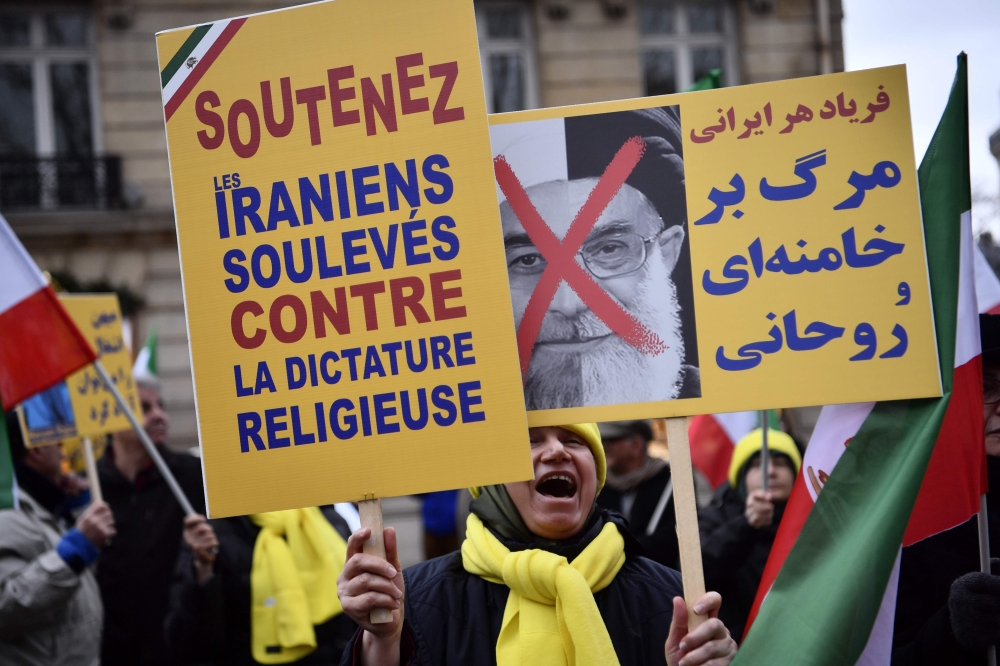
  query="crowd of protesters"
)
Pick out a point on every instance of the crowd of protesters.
point(132, 581)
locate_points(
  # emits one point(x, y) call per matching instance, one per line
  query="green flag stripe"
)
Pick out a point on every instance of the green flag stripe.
point(823, 604)
point(6, 467)
point(182, 54)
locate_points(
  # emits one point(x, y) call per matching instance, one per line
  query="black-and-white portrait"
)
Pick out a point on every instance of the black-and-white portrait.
point(594, 213)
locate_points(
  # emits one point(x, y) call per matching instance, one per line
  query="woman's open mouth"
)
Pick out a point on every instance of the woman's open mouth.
point(556, 485)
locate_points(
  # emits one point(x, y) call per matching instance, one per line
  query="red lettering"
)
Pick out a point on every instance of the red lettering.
point(386, 108)
point(439, 294)
point(322, 310)
point(301, 321)
point(400, 301)
point(274, 128)
point(248, 149)
point(442, 114)
point(367, 292)
point(340, 95)
point(236, 323)
point(209, 118)
point(310, 97)
point(407, 83)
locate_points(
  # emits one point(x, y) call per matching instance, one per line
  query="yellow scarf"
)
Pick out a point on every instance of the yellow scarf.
point(296, 560)
point(551, 617)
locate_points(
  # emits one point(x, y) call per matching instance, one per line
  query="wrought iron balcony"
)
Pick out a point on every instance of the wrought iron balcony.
point(54, 183)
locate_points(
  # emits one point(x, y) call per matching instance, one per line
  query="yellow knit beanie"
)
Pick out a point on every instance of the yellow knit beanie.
point(592, 437)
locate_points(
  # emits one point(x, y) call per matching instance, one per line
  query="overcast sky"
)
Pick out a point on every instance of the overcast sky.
point(927, 35)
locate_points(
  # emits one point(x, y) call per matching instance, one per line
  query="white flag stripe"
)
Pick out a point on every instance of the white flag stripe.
point(198, 53)
point(737, 424)
point(836, 425)
point(987, 283)
point(21, 277)
point(967, 343)
point(878, 651)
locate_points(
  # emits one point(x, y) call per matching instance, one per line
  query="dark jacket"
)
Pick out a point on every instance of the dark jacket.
point(211, 623)
point(922, 634)
point(135, 570)
point(454, 617)
point(661, 546)
point(734, 554)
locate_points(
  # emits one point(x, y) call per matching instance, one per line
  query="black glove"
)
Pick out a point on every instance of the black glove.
point(974, 607)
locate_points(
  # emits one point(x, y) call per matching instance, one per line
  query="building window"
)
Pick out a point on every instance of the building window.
point(507, 53)
point(47, 87)
point(683, 41)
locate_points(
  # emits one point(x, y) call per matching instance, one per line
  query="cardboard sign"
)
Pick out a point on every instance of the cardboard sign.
point(81, 406)
point(717, 251)
point(350, 325)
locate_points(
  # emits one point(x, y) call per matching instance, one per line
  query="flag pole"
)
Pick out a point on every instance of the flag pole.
point(146, 441)
point(984, 561)
point(765, 452)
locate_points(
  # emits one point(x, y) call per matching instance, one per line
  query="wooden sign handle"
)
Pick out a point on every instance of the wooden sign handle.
point(88, 460)
point(371, 517)
point(686, 511)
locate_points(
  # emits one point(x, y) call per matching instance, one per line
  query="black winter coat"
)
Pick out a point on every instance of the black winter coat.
point(453, 617)
point(922, 635)
point(734, 554)
point(661, 546)
point(135, 570)
point(211, 623)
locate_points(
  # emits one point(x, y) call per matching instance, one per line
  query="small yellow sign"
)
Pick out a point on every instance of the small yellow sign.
point(349, 319)
point(81, 406)
point(725, 250)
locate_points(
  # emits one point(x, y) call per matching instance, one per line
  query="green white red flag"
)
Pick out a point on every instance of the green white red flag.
point(912, 469)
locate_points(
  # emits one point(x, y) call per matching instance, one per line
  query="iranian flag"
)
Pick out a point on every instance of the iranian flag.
point(39, 343)
point(878, 476)
point(713, 438)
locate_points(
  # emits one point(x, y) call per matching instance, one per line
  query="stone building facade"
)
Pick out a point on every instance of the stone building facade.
point(83, 160)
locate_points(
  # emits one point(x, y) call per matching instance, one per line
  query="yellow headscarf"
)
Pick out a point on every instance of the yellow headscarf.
point(551, 617)
point(296, 560)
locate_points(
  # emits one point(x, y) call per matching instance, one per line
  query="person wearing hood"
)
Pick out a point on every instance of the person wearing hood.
point(545, 576)
point(50, 607)
point(947, 611)
point(738, 527)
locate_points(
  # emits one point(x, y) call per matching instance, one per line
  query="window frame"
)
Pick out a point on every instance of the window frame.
point(525, 47)
point(682, 42)
point(40, 56)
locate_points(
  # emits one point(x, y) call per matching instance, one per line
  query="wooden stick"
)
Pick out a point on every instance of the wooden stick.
point(686, 512)
point(88, 460)
point(371, 517)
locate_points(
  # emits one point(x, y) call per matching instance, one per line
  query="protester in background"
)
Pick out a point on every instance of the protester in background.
point(947, 612)
point(50, 607)
point(136, 569)
point(545, 576)
point(639, 487)
point(260, 589)
point(738, 527)
point(439, 512)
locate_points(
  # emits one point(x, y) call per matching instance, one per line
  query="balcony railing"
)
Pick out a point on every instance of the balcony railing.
point(54, 183)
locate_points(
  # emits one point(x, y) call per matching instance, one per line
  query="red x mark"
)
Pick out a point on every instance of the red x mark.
point(561, 256)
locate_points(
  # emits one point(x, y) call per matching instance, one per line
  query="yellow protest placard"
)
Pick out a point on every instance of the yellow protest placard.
point(348, 313)
point(81, 406)
point(717, 251)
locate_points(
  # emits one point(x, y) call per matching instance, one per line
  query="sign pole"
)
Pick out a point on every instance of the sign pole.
point(765, 452)
point(982, 522)
point(146, 441)
point(686, 510)
point(371, 517)
point(88, 460)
